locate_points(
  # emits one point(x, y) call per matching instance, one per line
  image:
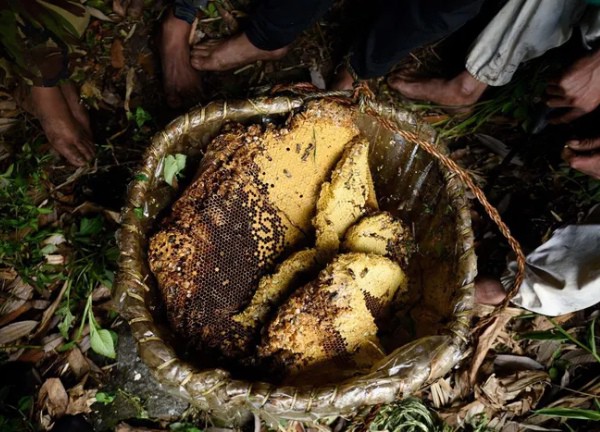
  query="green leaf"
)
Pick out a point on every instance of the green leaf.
point(90, 226)
point(25, 403)
point(48, 249)
point(141, 117)
point(66, 323)
point(571, 413)
point(102, 342)
point(138, 212)
point(173, 166)
point(105, 398)
point(543, 335)
point(141, 177)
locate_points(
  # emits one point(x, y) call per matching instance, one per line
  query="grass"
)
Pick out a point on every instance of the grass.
point(48, 249)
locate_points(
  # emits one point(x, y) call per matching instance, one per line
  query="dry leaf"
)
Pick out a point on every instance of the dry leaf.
point(54, 239)
point(16, 313)
point(92, 94)
point(55, 259)
point(441, 392)
point(78, 363)
point(8, 105)
point(100, 293)
point(7, 275)
point(51, 342)
point(80, 400)
point(129, 85)
point(135, 9)
point(53, 398)
point(120, 7)
point(49, 313)
point(14, 331)
point(117, 57)
point(146, 62)
point(18, 293)
point(98, 14)
point(514, 363)
point(6, 124)
point(230, 21)
point(29, 356)
point(124, 427)
point(491, 328)
point(578, 357)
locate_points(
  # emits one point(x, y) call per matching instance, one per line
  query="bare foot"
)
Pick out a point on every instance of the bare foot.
point(462, 90)
point(577, 89)
point(65, 134)
point(230, 53)
point(342, 80)
point(489, 291)
point(181, 82)
point(80, 114)
point(584, 155)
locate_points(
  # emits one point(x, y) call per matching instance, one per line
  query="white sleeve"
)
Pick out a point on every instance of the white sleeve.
point(563, 274)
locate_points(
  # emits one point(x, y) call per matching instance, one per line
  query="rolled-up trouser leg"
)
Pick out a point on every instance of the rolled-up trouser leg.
point(187, 9)
point(403, 25)
point(277, 23)
point(590, 25)
point(38, 53)
point(522, 30)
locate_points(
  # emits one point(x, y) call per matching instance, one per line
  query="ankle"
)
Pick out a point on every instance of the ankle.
point(468, 86)
point(175, 31)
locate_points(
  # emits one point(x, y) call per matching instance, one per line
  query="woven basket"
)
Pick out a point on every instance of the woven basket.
point(409, 182)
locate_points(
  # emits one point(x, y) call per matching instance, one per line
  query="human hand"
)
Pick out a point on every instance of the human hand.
point(65, 122)
point(73, 144)
point(584, 155)
point(577, 89)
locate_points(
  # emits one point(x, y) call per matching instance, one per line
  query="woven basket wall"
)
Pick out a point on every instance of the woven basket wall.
point(409, 183)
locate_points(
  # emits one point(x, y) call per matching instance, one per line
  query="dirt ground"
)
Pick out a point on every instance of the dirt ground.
point(57, 249)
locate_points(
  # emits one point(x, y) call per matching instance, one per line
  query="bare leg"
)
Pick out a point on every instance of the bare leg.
point(180, 80)
point(461, 90)
point(65, 134)
point(230, 53)
point(342, 80)
point(489, 291)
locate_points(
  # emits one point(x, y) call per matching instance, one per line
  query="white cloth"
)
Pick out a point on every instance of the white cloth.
point(563, 274)
point(526, 29)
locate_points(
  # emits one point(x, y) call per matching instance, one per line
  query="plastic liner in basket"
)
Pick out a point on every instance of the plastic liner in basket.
point(433, 328)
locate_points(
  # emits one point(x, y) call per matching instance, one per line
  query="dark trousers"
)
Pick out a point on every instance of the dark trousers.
point(398, 27)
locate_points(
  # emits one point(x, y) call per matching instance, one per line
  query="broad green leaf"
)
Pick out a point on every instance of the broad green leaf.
point(173, 166)
point(105, 398)
point(141, 116)
point(102, 342)
point(571, 413)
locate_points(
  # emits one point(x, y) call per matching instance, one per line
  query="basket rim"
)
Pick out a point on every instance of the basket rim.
point(214, 389)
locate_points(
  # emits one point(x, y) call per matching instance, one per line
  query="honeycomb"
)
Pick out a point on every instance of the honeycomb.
point(327, 325)
point(382, 234)
point(251, 204)
point(344, 199)
point(277, 255)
